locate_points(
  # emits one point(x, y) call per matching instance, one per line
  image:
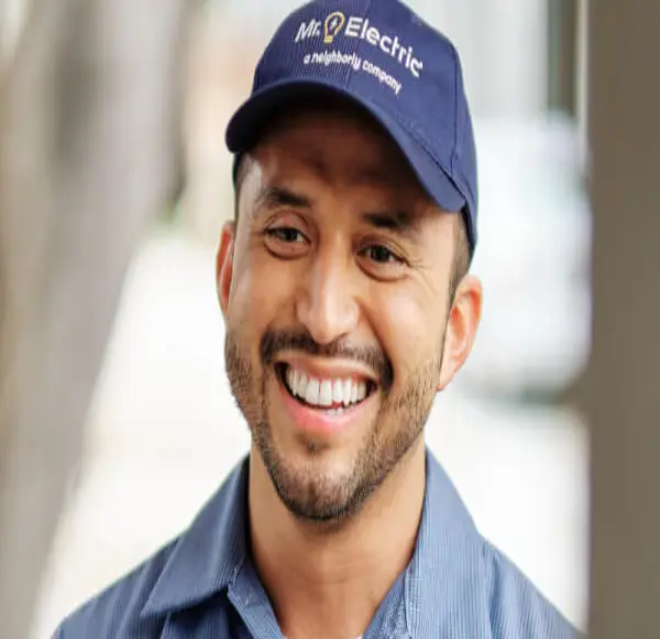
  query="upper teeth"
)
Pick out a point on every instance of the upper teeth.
point(325, 392)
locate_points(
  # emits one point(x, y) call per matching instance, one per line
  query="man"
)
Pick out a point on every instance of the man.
point(343, 282)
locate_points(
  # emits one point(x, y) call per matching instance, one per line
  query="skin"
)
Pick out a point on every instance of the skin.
point(341, 264)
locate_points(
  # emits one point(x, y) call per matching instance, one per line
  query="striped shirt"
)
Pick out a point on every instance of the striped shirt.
point(203, 584)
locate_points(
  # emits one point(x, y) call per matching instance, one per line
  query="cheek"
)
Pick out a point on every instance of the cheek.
point(409, 328)
point(261, 289)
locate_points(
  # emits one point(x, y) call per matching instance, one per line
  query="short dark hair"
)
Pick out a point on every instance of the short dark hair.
point(462, 253)
point(244, 163)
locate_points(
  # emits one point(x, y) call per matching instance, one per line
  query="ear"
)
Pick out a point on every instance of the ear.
point(224, 267)
point(462, 324)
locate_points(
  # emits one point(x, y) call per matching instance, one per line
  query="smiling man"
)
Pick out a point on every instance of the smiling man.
point(345, 289)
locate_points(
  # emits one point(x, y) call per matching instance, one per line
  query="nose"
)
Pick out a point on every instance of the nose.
point(327, 305)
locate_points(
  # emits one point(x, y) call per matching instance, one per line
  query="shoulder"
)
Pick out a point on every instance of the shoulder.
point(116, 612)
point(191, 569)
point(501, 599)
point(516, 607)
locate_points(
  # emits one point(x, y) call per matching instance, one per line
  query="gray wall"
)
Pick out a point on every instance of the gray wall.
point(623, 395)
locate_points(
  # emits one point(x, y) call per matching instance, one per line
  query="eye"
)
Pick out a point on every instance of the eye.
point(286, 234)
point(382, 263)
point(285, 242)
point(381, 255)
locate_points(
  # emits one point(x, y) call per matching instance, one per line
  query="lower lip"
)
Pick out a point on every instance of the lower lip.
point(319, 421)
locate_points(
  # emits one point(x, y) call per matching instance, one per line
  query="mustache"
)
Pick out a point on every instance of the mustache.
point(275, 342)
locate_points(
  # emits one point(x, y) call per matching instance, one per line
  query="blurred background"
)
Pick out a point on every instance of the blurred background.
point(116, 421)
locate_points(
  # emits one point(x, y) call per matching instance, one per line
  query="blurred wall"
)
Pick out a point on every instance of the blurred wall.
point(623, 397)
point(503, 47)
point(89, 129)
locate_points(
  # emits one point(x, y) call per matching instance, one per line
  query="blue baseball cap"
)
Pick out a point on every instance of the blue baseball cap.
point(382, 56)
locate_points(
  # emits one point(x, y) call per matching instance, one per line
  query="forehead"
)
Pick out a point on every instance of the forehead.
point(338, 144)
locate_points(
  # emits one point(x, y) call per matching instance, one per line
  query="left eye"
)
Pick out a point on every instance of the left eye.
point(381, 254)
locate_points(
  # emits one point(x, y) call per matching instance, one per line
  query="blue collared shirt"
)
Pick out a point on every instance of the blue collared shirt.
point(203, 584)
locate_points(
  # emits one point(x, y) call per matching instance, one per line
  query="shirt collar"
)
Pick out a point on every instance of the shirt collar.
point(441, 575)
point(209, 556)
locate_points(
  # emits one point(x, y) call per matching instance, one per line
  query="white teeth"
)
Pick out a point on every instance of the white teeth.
point(325, 395)
point(337, 394)
point(325, 392)
point(346, 392)
point(301, 389)
point(292, 379)
point(312, 392)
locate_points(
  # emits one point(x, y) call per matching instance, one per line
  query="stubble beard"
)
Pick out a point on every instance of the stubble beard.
point(307, 492)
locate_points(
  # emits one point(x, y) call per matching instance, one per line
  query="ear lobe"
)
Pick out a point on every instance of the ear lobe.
point(225, 265)
point(462, 325)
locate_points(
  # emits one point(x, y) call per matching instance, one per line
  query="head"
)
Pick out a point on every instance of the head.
point(347, 303)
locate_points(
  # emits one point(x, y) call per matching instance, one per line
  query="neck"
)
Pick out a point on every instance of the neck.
point(328, 581)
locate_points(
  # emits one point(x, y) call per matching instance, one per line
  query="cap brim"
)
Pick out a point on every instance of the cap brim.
point(243, 131)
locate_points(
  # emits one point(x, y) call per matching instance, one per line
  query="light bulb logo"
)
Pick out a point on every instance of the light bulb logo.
point(333, 25)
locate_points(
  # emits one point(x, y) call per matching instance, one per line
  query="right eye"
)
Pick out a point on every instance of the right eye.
point(285, 242)
point(286, 235)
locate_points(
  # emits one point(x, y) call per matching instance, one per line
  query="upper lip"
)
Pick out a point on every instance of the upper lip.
point(329, 368)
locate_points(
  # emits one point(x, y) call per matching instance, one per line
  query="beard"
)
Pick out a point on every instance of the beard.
point(308, 492)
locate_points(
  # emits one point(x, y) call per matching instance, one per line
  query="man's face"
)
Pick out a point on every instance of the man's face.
point(335, 290)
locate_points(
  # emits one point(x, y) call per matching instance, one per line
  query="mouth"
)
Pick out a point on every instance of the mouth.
point(334, 396)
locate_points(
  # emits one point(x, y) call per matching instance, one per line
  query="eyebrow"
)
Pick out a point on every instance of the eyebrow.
point(275, 196)
point(395, 220)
